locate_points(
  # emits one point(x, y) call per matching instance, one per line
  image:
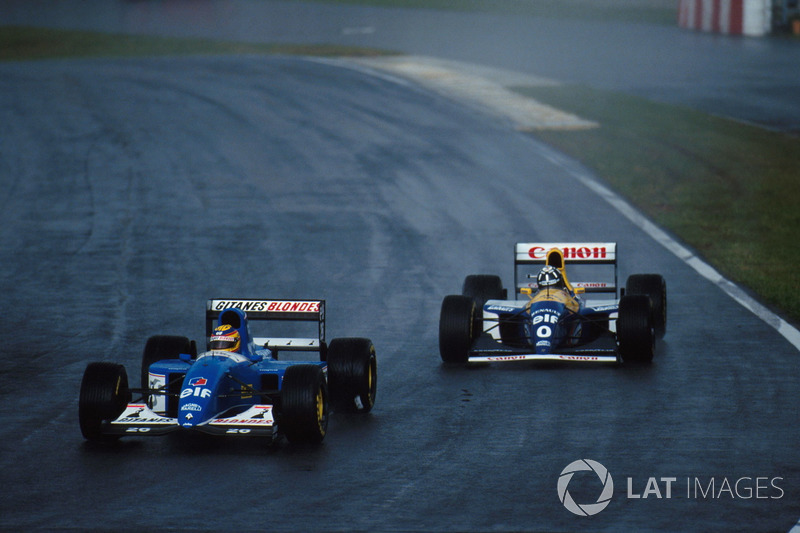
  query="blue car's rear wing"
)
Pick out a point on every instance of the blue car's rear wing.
point(530, 257)
point(269, 309)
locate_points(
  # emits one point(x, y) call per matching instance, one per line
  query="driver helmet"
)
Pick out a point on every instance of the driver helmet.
point(551, 278)
point(225, 338)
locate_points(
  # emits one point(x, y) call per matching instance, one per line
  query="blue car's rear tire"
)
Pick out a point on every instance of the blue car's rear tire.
point(160, 347)
point(103, 396)
point(352, 374)
point(456, 328)
point(635, 331)
point(304, 404)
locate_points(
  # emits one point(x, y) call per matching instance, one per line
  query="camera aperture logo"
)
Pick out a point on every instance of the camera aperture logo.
point(605, 480)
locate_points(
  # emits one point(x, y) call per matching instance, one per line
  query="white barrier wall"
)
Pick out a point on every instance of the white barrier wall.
point(734, 17)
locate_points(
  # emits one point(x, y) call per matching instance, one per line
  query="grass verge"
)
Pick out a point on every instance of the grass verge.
point(729, 190)
point(646, 11)
point(24, 43)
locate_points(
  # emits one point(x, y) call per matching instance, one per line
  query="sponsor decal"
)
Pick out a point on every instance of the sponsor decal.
point(578, 357)
point(571, 252)
point(255, 416)
point(191, 407)
point(197, 391)
point(157, 402)
point(140, 420)
point(543, 343)
point(198, 382)
point(269, 306)
point(243, 422)
point(541, 318)
point(501, 308)
point(507, 357)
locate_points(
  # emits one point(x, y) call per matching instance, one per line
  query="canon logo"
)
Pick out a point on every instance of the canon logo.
point(583, 252)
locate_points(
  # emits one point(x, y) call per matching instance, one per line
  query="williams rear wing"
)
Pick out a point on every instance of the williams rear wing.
point(275, 310)
point(530, 257)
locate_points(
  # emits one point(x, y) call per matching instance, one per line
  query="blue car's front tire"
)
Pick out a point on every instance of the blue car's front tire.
point(103, 396)
point(304, 404)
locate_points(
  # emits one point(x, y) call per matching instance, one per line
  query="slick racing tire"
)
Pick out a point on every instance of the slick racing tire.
point(635, 332)
point(304, 404)
point(352, 374)
point(160, 347)
point(655, 287)
point(483, 287)
point(456, 328)
point(104, 395)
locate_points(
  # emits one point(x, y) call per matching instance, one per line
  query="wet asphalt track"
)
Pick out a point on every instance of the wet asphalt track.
point(135, 189)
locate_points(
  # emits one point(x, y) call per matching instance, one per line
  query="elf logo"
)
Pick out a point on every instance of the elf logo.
point(199, 392)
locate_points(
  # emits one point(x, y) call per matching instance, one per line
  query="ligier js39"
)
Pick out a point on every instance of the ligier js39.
point(549, 318)
point(238, 385)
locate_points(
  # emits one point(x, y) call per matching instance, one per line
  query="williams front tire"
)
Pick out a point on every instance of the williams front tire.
point(456, 328)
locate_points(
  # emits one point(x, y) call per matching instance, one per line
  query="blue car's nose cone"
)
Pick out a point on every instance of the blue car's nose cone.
point(195, 404)
point(199, 401)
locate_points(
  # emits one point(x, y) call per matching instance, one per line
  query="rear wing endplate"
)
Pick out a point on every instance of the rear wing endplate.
point(580, 253)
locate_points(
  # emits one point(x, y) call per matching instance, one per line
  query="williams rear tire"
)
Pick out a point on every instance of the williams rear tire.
point(483, 287)
point(655, 287)
point(635, 332)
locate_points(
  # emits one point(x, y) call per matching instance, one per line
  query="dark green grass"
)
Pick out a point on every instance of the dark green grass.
point(24, 43)
point(729, 190)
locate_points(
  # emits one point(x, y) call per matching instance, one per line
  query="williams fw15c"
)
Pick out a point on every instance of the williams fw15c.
point(550, 317)
point(238, 386)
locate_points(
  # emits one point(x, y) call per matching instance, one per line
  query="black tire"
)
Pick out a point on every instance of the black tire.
point(104, 395)
point(456, 328)
point(635, 332)
point(654, 286)
point(483, 287)
point(304, 404)
point(352, 374)
point(158, 348)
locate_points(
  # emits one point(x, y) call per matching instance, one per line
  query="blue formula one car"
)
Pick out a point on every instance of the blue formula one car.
point(549, 318)
point(238, 386)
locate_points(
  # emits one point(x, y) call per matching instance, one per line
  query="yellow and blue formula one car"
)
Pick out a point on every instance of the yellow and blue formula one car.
point(550, 318)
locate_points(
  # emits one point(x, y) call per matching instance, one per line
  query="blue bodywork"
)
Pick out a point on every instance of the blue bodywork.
point(219, 383)
point(546, 324)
